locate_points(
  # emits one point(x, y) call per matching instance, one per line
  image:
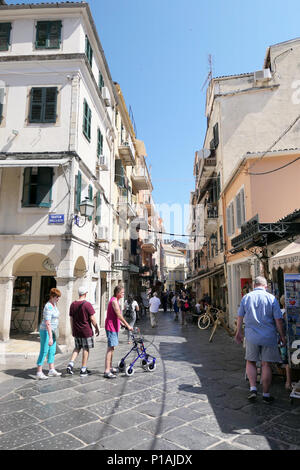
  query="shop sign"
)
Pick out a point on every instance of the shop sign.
point(292, 308)
point(54, 219)
point(289, 260)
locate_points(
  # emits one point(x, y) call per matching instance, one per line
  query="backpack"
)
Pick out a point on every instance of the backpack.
point(129, 312)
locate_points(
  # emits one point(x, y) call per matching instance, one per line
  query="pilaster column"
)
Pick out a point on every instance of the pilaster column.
point(6, 296)
point(65, 285)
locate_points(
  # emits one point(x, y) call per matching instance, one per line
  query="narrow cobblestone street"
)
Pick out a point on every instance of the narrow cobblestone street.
point(195, 399)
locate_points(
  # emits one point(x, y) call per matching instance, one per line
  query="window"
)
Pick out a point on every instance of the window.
point(37, 187)
point(88, 51)
point(98, 208)
point(48, 35)
point(119, 173)
point(1, 104)
point(99, 143)
point(43, 104)
point(240, 208)
point(221, 238)
point(78, 191)
point(101, 81)
point(22, 291)
point(87, 119)
point(5, 29)
point(216, 135)
point(90, 198)
point(230, 219)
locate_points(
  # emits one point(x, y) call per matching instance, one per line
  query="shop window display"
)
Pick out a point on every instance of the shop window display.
point(22, 291)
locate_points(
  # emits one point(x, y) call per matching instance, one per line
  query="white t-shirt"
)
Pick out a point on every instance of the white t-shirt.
point(154, 304)
point(134, 305)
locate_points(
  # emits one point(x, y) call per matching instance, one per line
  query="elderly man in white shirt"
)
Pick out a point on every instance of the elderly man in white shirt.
point(154, 304)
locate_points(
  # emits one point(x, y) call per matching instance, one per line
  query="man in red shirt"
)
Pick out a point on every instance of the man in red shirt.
point(82, 317)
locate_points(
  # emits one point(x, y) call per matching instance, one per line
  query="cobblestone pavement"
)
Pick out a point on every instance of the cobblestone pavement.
point(195, 399)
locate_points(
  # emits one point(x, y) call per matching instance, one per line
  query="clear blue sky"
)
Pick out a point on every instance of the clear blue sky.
point(157, 50)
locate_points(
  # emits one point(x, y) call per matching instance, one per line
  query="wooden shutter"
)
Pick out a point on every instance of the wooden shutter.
point(87, 117)
point(88, 51)
point(50, 104)
point(243, 209)
point(228, 220)
point(41, 34)
point(78, 191)
point(36, 105)
point(1, 103)
point(90, 198)
point(232, 218)
point(238, 210)
point(119, 173)
point(26, 186)
point(98, 208)
point(54, 35)
point(101, 81)
point(99, 143)
point(216, 135)
point(44, 187)
point(5, 29)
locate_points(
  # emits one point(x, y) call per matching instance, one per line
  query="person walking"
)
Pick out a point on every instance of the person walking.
point(82, 317)
point(154, 304)
point(262, 316)
point(113, 320)
point(131, 307)
point(175, 302)
point(48, 336)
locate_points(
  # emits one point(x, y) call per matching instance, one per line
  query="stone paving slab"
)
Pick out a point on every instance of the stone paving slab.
point(196, 399)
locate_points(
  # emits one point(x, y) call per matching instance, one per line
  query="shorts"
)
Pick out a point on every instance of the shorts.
point(84, 343)
point(112, 338)
point(256, 353)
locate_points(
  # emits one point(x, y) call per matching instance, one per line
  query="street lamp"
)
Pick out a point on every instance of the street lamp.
point(86, 208)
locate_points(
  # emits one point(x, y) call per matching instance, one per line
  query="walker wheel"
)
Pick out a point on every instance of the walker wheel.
point(122, 366)
point(144, 363)
point(151, 367)
point(129, 371)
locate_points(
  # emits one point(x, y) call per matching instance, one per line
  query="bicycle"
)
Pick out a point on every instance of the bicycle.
point(208, 318)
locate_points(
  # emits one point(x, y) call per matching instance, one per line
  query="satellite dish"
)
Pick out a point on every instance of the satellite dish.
point(204, 153)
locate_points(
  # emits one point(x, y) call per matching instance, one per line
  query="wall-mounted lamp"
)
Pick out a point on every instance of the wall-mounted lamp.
point(86, 210)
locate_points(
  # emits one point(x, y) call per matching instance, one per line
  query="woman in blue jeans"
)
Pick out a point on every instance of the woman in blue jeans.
point(48, 329)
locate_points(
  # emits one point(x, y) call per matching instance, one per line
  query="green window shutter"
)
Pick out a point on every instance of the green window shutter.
point(50, 105)
point(5, 29)
point(90, 198)
point(1, 103)
point(36, 105)
point(48, 34)
point(98, 208)
point(37, 187)
point(99, 143)
point(43, 104)
point(101, 81)
point(216, 135)
point(87, 118)
point(89, 51)
point(119, 173)
point(44, 187)
point(78, 192)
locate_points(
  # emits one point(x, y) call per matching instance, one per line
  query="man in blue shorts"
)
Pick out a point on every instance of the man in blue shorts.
point(262, 316)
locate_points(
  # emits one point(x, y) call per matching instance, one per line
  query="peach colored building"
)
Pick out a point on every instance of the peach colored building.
point(260, 193)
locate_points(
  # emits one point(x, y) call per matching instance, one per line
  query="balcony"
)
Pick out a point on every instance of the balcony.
point(140, 179)
point(127, 207)
point(126, 151)
point(149, 244)
point(211, 218)
point(149, 204)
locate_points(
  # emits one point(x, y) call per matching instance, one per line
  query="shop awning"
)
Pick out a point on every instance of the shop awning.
point(207, 274)
point(22, 163)
point(287, 257)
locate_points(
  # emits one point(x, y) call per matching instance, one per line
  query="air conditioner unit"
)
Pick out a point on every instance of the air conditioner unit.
point(102, 234)
point(102, 162)
point(106, 96)
point(118, 255)
point(262, 75)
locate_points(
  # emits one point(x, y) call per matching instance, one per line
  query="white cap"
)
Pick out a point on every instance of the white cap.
point(82, 290)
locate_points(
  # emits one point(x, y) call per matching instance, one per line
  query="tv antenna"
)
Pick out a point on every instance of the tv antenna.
point(210, 73)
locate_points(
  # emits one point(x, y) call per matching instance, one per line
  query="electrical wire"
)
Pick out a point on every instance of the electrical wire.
point(276, 169)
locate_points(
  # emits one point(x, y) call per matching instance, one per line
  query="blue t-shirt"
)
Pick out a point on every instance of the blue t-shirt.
point(260, 309)
point(51, 314)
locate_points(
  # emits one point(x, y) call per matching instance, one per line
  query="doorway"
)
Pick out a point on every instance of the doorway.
point(47, 283)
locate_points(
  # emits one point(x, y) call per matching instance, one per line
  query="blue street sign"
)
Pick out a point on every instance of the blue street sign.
point(56, 219)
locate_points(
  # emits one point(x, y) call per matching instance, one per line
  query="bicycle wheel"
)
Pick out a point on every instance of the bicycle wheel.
point(203, 322)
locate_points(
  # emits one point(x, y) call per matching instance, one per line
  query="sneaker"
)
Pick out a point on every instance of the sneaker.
point(109, 375)
point(252, 396)
point(268, 399)
point(41, 376)
point(114, 370)
point(54, 373)
point(85, 373)
point(70, 370)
